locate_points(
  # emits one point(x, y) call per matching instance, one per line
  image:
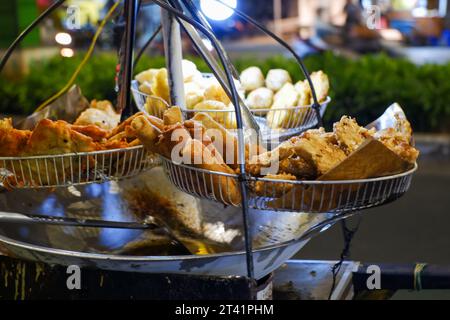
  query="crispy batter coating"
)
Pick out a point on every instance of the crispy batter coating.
point(12, 141)
point(321, 85)
point(57, 137)
point(316, 148)
point(101, 114)
point(349, 134)
point(298, 167)
point(399, 143)
point(274, 189)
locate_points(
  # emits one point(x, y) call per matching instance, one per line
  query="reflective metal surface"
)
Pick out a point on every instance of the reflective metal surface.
point(214, 230)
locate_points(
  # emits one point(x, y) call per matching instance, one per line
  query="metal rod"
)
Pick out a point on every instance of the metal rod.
point(241, 147)
point(197, 14)
point(145, 46)
point(9, 217)
point(126, 63)
point(174, 55)
point(217, 70)
point(25, 32)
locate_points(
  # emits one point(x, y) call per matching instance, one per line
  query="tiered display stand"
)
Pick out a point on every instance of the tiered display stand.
point(271, 234)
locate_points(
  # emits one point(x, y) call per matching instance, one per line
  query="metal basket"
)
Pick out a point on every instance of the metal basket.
point(274, 123)
point(74, 168)
point(287, 195)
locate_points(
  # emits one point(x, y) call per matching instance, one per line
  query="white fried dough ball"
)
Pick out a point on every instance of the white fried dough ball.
point(277, 78)
point(252, 78)
point(261, 98)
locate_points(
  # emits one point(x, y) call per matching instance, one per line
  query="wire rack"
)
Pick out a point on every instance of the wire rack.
point(288, 120)
point(74, 168)
point(286, 195)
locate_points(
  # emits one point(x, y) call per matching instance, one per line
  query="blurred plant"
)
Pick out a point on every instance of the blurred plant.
point(362, 88)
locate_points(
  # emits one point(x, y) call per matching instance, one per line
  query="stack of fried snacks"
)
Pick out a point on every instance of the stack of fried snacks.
point(59, 138)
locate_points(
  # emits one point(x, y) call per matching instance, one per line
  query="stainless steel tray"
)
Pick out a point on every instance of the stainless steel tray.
point(276, 237)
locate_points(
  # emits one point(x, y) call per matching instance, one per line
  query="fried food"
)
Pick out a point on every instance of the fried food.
point(146, 88)
point(321, 85)
point(215, 92)
point(268, 162)
point(350, 135)
point(317, 150)
point(160, 85)
point(193, 99)
point(399, 142)
point(92, 131)
point(304, 93)
point(155, 106)
point(261, 98)
point(12, 141)
point(223, 188)
point(222, 113)
point(57, 137)
point(147, 75)
point(298, 167)
point(277, 78)
point(146, 132)
point(252, 78)
point(287, 97)
point(172, 116)
point(101, 114)
point(189, 70)
point(225, 142)
point(274, 189)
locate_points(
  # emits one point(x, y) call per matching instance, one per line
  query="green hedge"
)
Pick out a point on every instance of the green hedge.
point(361, 88)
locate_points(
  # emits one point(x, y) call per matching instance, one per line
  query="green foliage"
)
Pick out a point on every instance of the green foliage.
point(362, 87)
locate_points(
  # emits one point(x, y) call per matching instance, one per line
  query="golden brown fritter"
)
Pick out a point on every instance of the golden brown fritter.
point(399, 142)
point(349, 134)
point(298, 167)
point(274, 189)
point(12, 141)
point(92, 131)
point(316, 148)
point(100, 114)
point(57, 137)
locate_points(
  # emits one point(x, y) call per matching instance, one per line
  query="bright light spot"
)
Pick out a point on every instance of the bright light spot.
point(63, 38)
point(419, 12)
point(67, 52)
point(215, 10)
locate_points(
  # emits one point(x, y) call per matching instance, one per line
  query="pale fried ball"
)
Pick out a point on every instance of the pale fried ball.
point(277, 78)
point(261, 98)
point(252, 78)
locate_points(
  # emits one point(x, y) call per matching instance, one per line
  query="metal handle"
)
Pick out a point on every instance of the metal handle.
point(10, 217)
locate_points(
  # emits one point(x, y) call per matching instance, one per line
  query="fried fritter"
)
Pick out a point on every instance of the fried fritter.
point(399, 143)
point(298, 167)
point(92, 131)
point(321, 85)
point(57, 137)
point(101, 114)
point(12, 141)
point(350, 135)
point(316, 148)
point(274, 189)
